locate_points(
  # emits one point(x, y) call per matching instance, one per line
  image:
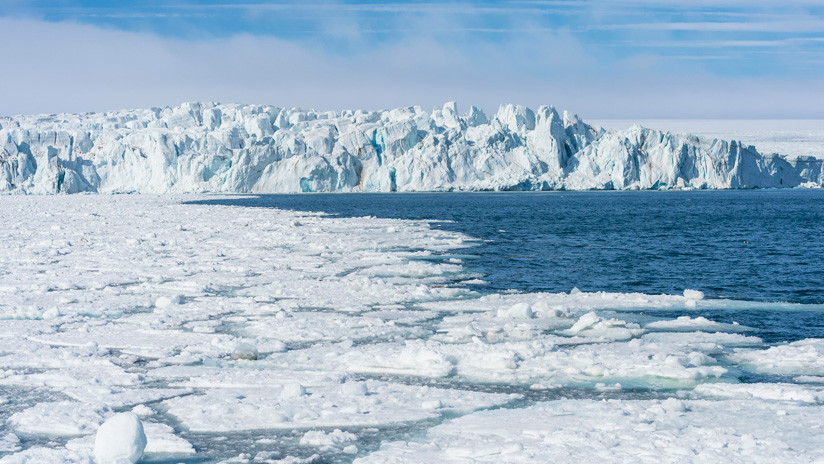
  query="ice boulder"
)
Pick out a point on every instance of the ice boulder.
point(517, 311)
point(293, 390)
point(355, 389)
point(120, 440)
point(245, 350)
point(693, 294)
point(168, 301)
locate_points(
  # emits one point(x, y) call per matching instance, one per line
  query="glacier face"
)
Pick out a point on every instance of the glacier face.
point(208, 147)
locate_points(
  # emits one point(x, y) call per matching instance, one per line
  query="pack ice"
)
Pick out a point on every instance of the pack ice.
point(180, 330)
point(207, 147)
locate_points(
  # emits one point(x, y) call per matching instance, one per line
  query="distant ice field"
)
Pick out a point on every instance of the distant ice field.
point(246, 329)
point(790, 137)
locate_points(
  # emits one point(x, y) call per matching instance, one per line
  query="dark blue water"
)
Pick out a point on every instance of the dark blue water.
point(756, 245)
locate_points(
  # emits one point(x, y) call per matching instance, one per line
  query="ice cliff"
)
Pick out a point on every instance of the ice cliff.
point(207, 147)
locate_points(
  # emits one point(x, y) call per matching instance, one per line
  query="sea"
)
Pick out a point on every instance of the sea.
point(747, 245)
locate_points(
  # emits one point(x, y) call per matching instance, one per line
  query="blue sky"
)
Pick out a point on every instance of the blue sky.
point(602, 59)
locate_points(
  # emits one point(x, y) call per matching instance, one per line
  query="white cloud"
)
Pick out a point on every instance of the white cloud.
point(56, 67)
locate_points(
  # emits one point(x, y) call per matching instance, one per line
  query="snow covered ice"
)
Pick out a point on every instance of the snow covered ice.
point(256, 335)
point(207, 147)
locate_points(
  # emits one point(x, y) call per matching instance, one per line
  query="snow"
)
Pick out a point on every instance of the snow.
point(340, 332)
point(335, 438)
point(326, 402)
point(120, 440)
point(804, 357)
point(574, 431)
point(9, 443)
point(245, 350)
point(693, 294)
point(208, 147)
point(64, 418)
point(698, 323)
point(762, 391)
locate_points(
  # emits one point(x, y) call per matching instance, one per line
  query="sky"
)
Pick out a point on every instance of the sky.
point(742, 59)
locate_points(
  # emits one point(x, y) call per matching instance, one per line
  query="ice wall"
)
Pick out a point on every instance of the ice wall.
point(208, 147)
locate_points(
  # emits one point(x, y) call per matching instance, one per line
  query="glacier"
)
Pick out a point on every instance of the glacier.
point(232, 148)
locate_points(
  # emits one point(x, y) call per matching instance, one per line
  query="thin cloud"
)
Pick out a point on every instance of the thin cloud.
point(777, 43)
point(57, 67)
point(798, 26)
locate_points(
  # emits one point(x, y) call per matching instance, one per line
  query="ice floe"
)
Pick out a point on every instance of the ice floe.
point(333, 334)
point(804, 357)
point(571, 431)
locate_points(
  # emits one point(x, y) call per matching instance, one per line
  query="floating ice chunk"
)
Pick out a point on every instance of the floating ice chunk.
point(804, 357)
point(335, 439)
point(161, 439)
point(686, 323)
point(43, 455)
point(419, 359)
point(569, 431)
point(517, 311)
point(118, 397)
point(9, 443)
point(167, 301)
point(762, 391)
point(434, 404)
point(585, 322)
point(592, 325)
point(139, 340)
point(578, 303)
point(120, 440)
point(693, 294)
point(245, 351)
point(143, 411)
point(235, 409)
point(293, 390)
point(63, 418)
point(355, 388)
point(543, 309)
point(51, 313)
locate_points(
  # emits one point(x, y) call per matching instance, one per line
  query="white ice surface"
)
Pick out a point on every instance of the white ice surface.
point(791, 137)
point(326, 402)
point(804, 357)
point(9, 443)
point(762, 391)
point(575, 431)
point(356, 322)
point(63, 418)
